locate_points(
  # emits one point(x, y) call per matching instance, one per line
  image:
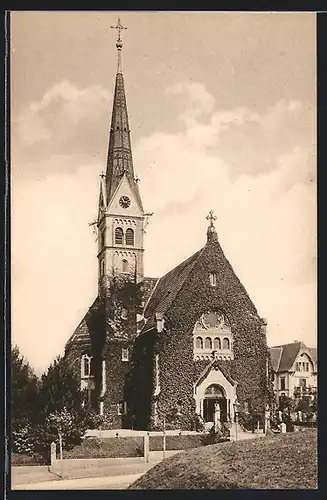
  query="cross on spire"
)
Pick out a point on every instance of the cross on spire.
point(119, 27)
point(211, 217)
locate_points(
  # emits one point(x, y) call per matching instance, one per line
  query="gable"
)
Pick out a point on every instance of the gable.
point(190, 281)
point(125, 189)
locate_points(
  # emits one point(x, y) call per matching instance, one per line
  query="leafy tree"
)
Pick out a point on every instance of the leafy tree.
point(24, 392)
point(64, 416)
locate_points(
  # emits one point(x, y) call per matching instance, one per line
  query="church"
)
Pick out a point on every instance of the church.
point(163, 351)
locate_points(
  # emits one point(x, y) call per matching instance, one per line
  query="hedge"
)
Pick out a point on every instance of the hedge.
point(116, 447)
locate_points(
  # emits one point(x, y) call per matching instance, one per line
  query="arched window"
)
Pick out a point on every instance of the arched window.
point(130, 237)
point(225, 343)
point(119, 236)
point(125, 266)
point(198, 343)
point(207, 343)
point(86, 365)
point(217, 343)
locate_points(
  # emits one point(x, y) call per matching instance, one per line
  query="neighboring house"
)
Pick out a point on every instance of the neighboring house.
point(200, 345)
point(294, 370)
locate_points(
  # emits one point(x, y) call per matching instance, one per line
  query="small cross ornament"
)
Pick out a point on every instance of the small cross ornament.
point(211, 217)
point(119, 28)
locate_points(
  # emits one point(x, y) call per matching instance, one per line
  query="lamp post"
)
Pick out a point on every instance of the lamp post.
point(236, 406)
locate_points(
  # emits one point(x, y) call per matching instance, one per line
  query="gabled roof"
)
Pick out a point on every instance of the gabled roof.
point(284, 356)
point(167, 288)
point(275, 354)
point(215, 364)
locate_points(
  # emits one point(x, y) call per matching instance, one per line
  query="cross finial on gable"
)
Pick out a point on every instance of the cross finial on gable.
point(211, 217)
point(211, 231)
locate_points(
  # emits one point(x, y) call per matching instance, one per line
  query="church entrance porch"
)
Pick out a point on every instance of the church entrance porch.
point(215, 395)
point(215, 405)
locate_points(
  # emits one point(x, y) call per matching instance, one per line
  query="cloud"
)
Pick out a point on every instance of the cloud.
point(66, 121)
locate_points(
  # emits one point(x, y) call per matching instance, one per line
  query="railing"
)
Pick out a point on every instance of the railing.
point(305, 391)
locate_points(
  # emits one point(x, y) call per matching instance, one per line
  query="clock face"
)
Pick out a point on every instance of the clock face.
point(124, 201)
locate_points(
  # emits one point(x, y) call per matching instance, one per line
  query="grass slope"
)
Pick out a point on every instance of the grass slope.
point(287, 461)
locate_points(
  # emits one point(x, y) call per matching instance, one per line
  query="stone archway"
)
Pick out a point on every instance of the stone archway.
point(215, 404)
point(213, 387)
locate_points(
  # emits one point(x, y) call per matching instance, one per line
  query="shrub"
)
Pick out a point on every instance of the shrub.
point(23, 440)
point(216, 436)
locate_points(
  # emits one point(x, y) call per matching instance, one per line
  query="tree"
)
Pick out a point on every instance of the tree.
point(24, 391)
point(64, 417)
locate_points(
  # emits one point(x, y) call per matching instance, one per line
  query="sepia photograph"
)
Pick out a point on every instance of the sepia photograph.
point(163, 249)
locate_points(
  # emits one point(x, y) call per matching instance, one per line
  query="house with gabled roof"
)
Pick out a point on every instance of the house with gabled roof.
point(195, 343)
point(294, 370)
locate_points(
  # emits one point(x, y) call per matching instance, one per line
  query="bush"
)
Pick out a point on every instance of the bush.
point(21, 459)
point(216, 436)
point(116, 447)
point(23, 440)
point(199, 423)
point(182, 442)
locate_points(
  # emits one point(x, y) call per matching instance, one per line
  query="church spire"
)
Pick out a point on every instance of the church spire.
point(120, 161)
point(211, 231)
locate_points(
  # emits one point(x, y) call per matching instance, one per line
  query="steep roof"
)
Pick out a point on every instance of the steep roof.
point(284, 356)
point(120, 159)
point(81, 334)
point(275, 354)
point(167, 288)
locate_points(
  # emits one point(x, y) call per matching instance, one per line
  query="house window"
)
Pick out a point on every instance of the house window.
point(198, 343)
point(125, 266)
point(130, 237)
point(122, 408)
point(119, 236)
point(217, 343)
point(86, 365)
point(307, 367)
point(207, 343)
point(225, 343)
point(213, 279)
point(303, 382)
point(124, 355)
point(296, 367)
point(282, 384)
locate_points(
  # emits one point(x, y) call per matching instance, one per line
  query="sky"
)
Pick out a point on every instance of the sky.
point(222, 111)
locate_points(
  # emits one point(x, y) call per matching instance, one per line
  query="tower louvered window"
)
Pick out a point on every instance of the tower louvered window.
point(130, 237)
point(119, 235)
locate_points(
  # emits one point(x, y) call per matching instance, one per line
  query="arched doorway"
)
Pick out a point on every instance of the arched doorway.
point(214, 394)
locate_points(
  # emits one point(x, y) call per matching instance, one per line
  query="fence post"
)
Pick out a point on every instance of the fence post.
point(146, 446)
point(53, 453)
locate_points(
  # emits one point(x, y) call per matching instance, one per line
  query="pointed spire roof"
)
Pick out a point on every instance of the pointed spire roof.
point(119, 161)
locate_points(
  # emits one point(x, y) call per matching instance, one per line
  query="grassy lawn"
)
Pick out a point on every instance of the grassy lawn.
point(286, 461)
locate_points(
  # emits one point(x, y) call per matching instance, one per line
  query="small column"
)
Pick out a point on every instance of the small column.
point(146, 447)
point(53, 453)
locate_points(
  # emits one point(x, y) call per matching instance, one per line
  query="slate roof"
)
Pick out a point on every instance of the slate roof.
point(166, 289)
point(81, 334)
point(283, 356)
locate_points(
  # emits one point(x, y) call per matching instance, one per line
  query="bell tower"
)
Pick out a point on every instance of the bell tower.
point(121, 215)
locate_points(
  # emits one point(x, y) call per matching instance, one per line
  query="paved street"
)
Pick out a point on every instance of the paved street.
point(89, 483)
